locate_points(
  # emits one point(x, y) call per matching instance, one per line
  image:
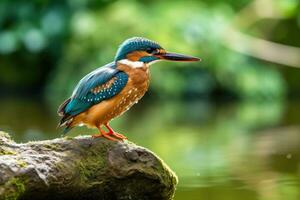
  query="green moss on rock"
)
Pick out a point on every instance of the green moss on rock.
point(98, 168)
point(53, 146)
point(7, 152)
point(89, 167)
point(16, 188)
point(22, 163)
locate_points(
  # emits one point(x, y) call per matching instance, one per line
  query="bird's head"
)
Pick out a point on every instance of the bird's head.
point(139, 49)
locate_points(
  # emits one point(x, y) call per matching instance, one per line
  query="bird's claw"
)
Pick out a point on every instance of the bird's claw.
point(118, 135)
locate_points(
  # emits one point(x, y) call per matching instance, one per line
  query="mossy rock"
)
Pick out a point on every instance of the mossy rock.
point(82, 168)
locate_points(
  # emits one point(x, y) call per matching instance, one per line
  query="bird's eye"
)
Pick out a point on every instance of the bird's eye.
point(149, 50)
point(152, 51)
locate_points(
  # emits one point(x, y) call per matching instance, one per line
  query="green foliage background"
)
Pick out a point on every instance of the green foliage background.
point(47, 46)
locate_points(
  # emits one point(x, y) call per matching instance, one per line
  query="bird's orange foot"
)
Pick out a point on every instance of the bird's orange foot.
point(112, 132)
point(118, 135)
point(104, 134)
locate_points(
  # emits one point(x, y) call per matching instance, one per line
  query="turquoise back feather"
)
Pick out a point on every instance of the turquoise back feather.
point(83, 98)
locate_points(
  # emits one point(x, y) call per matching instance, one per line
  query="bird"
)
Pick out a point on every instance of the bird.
point(110, 90)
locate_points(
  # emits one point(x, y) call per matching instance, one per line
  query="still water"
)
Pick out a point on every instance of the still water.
point(246, 150)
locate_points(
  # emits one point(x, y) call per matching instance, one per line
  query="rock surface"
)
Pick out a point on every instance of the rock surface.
point(82, 168)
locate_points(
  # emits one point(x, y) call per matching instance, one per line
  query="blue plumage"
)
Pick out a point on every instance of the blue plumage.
point(83, 96)
point(94, 79)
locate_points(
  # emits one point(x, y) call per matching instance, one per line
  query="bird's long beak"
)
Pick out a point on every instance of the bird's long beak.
point(178, 57)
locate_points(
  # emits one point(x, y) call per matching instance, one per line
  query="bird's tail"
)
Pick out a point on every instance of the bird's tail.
point(67, 122)
point(61, 108)
point(66, 129)
point(66, 119)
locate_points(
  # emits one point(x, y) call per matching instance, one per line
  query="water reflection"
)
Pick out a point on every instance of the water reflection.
point(246, 150)
point(27, 119)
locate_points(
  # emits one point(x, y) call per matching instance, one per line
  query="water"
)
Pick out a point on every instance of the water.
point(248, 150)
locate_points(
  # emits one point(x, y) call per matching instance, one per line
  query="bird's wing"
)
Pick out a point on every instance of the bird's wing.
point(101, 84)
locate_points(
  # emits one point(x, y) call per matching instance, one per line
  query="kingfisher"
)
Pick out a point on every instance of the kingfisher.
point(111, 90)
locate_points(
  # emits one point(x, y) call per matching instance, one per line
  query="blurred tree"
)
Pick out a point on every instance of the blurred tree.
point(55, 43)
point(194, 28)
point(31, 38)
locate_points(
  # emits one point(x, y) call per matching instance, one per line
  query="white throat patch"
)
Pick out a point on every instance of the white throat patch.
point(133, 64)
